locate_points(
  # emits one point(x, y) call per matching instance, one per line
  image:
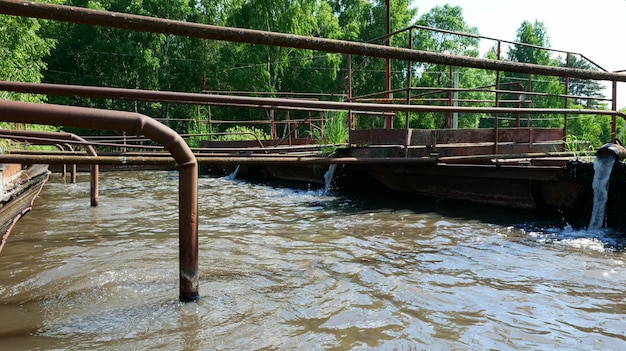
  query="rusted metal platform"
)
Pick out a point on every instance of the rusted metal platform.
point(20, 187)
point(531, 171)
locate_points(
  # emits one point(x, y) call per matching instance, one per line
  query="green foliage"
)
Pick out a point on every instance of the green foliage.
point(450, 19)
point(578, 146)
point(246, 67)
point(335, 129)
point(594, 129)
point(534, 34)
point(98, 56)
point(198, 128)
point(243, 133)
point(371, 23)
point(531, 37)
point(583, 87)
point(22, 53)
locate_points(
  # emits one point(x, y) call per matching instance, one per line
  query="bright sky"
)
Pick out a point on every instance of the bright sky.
point(595, 29)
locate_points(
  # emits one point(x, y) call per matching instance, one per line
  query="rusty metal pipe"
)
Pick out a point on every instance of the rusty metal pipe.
point(49, 137)
point(261, 102)
point(195, 30)
point(262, 160)
point(612, 149)
point(81, 117)
point(72, 168)
point(233, 160)
point(61, 147)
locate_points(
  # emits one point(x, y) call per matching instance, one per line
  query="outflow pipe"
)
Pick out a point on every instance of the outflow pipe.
point(82, 117)
point(612, 149)
point(195, 30)
point(54, 137)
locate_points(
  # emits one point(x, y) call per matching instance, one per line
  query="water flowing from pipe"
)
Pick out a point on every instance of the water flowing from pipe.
point(328, 177)
point(602, 167)
point(233, 175)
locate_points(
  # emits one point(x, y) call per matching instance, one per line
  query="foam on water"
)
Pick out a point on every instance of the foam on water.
point(600, 240)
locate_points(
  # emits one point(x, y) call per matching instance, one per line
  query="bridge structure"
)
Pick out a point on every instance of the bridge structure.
point(513, 164)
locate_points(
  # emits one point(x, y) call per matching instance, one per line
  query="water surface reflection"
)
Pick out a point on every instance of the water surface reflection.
point(292, 269)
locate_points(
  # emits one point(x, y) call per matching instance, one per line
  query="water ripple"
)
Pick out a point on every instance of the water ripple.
point(291, 269)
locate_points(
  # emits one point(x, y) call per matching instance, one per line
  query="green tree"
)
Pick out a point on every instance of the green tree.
point(536, 36)
point(98, 56)
point(448, 19)
point(257, 68)
point(265, 68)
point(583, 88)
point(369, 74)
point(23, 53)
point(351, 15)
point(541, 91)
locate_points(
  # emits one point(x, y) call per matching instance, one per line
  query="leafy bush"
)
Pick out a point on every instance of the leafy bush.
point(236, 133)
point(335, 130)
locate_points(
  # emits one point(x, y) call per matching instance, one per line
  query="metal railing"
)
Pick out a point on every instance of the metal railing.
point(81, 117)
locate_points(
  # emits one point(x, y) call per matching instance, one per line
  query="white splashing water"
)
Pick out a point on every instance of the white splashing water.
point(602, 167)
point(328, 177)
point(233, 175)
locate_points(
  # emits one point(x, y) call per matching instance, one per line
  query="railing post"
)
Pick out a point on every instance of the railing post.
point(496, 115)
point(449, 114)
point(388, 118)
point(614, 108)
point(350, 114)
point(566, 104)
point(409, 76)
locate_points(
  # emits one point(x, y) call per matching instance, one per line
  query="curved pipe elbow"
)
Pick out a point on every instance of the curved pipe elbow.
point(612, 149)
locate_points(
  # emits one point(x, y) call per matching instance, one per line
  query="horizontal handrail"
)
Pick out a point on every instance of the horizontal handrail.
point(262, 102)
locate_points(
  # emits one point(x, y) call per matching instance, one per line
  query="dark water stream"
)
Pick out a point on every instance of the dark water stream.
point(285, 269)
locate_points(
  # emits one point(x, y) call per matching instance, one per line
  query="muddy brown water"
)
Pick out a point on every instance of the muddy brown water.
point(288, 269)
